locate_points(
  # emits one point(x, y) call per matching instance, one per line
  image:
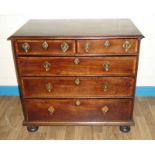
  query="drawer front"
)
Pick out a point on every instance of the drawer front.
point(77, 66)
point(108, 47)
point(45, 47)
point(87, 110)
point(70, 87)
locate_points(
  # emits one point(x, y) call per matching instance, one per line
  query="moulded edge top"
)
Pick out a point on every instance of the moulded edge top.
point(77, 29)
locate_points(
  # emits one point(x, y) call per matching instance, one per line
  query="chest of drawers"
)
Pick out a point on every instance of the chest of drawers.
point(77, 72)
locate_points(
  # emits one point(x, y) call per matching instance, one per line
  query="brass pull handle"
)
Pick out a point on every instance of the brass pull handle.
point(105, 109)
point(106, 65)
point(126, 46)
point(106, 44)
point(49, 87)
point(64, 47)
point(77, 81)
point(51, 110)
point(76, 61)
point(47, 66)
point(25, 47)
point(105, 86)
point(77, 102)
point(87, 47)
point(45, 45)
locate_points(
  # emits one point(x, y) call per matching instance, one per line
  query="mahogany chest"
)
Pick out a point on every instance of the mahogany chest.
point(77, 72)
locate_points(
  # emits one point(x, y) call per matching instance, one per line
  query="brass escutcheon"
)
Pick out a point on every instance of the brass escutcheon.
point(76, 61)
point(77, 102)
point(47, 66)
point(64, 47)
point(106, 65)
point(87, 47)
point(105, 86)
point(49, 87)
point(51, 110)
point(45, 45)
point(105, 109)
point(126, 46)
point(107, 44)
point(25, 47)
point(77, 81)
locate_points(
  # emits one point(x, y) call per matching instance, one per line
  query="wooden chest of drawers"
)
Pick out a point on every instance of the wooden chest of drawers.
point(77, 72)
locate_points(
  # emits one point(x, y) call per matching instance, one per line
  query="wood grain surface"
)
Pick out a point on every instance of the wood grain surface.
point(115, 47)
point(77, 66)
point(89, 87)
point(89, 110)
point(54, 47)
point(82, 28)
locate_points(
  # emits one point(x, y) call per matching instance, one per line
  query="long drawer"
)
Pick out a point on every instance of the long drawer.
point(77, 66)
point(83, 110)
point(70, 87)
point(45, 47)
point(108, 47)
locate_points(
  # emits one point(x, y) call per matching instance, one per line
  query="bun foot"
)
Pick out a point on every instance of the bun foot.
point(125, 129)
point(32, 128)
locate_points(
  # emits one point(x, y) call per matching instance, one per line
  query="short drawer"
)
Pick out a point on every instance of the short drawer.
point(78, 110)
point(108, 47)
point(77, 66)
point(70, 87)
point(45, 47)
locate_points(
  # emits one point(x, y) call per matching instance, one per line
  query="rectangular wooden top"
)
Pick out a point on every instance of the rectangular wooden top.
point(78, 28)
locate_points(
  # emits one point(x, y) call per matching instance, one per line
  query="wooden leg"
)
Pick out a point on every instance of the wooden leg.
point(32, 128)
point(125, 129)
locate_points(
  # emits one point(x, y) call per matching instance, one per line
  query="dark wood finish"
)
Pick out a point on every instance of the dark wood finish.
point(95, 84)
point(88, 111)
point(125, 129)
point(54, 47)
point(87, 66)
point(88, 87)
point(32, 128)
point(115, 47)
point(82, 28)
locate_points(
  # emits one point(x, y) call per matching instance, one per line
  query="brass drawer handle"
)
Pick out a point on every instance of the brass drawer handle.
point(45, 45)
point(51, 110)
point(25, 47)
point(106, 65)
point(126, 46)
point(87, 47)
point(76, 61)
point(77, 102)
point(105, 109)
point(64, 47)
point(105, 87)
point(49, 87)
point(77, 81)
point(47, 66)
point(107, 44)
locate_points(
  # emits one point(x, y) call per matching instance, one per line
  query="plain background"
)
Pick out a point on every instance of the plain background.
point(18, 12)
point(14, 13)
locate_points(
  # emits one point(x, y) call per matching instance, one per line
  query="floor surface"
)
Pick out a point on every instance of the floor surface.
point(11, 118)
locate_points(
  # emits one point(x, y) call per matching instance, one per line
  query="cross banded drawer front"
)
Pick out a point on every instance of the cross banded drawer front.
point(69, 87)
point(77, 72)
point(45, 47)
point(89, 110)
point(108, 47)
point(77, 66)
